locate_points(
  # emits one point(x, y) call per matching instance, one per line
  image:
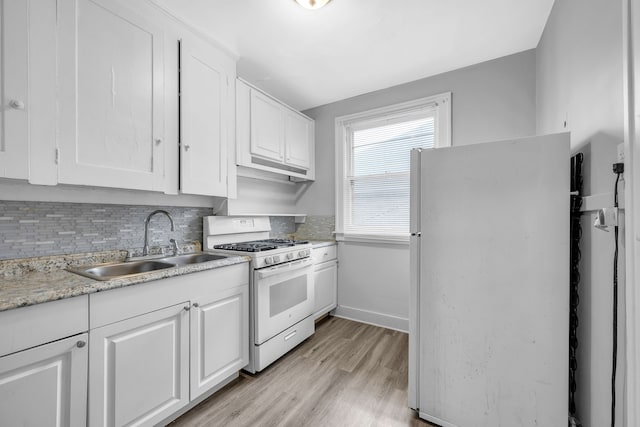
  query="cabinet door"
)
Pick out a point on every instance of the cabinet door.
point(138, 371)
point(219, 338)
point(111, 96)
point(325, 282)
point(267, 137)
point(298, 134)
point(205, 114)
point(46, 385)
point(13, 89)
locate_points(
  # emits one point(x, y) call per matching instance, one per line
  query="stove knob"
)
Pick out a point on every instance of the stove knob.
point(302, 253)
point(276, 258)
point(290, 255)
point(268, 260)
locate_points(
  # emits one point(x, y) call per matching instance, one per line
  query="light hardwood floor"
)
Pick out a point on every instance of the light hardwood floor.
point(346, 374)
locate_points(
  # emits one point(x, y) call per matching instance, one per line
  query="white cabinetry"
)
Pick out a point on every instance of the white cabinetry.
point(267, 138)
point(297, 140)
point(158, 347)
point(43, 368)
point(206, 118)
point(138, 371)
point(219, 343)
point(111, 101)
point(325, 278)
point(45, 385)
point(271, 136)
point(121, 110)
point(90, 91)
point(14, 121)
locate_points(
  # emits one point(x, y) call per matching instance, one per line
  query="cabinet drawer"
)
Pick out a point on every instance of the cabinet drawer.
point(271, 350)
point(324, 253)
point(26, 327)
point(130, 301)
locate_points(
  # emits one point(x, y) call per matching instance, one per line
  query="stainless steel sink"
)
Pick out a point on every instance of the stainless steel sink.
point(130, 268)
point(120, 269)
point(194, 258)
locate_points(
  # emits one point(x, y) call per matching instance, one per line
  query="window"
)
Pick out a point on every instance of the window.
point(373, 155)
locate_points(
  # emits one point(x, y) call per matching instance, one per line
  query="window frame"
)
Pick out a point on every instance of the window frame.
point(441, 104)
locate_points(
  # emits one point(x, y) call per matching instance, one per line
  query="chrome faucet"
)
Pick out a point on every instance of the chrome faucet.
point(145, 250)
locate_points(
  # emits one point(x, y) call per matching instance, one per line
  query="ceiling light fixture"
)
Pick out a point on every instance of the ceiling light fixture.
point(312, 4)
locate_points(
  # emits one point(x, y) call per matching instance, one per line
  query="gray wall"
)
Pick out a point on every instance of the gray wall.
point(490, 101)
point(579, 80)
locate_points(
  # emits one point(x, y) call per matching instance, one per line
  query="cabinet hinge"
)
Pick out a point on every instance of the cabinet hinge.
point(57, 156)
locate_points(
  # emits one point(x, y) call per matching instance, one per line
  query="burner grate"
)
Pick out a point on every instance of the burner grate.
point(260, 245)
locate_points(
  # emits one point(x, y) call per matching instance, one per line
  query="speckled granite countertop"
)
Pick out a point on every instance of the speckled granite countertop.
point(32, 281)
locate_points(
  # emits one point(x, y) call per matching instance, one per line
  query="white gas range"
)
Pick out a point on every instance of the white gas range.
point(281, 284)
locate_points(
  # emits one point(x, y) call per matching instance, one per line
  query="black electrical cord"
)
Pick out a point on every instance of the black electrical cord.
point(575, 235)
point(615, 309)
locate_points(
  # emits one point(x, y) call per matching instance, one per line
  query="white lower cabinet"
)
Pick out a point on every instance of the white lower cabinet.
point(158, 347)
point(325, 279)
point(43, 364)
point(45, 385)
point(138, 374)
point(219, 344)
point(325, 283)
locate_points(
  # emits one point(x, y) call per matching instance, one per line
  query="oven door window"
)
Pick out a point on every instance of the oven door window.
point(281, 300)
point(286, 295)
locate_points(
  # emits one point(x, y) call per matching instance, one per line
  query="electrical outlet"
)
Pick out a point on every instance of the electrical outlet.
point(621, 153)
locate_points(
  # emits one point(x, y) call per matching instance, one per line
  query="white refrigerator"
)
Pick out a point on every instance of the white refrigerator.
point(489, 308)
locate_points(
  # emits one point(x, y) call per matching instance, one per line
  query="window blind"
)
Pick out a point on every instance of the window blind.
point(376, 182)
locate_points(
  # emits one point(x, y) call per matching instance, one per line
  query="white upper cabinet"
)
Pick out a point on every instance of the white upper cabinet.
point(206, 118)
point(297, 140)
point(271, 136)
point(111, 101)
point(266, 127)
point(14, 120)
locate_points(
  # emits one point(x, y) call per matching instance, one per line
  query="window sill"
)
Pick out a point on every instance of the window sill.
point(373, 238)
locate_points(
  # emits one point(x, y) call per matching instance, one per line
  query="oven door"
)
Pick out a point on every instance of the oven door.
point(283, 297)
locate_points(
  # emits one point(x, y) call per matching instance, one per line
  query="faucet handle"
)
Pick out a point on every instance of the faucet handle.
point(174, 245)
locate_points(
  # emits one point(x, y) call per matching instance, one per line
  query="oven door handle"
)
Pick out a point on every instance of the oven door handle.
point(283, 268)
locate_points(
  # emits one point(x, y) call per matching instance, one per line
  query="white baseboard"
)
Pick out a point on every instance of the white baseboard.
point(433, 419)
point(373, 318)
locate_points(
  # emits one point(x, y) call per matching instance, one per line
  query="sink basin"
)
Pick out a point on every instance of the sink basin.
point(194, 258)
point(130, 268)
point(121, 269)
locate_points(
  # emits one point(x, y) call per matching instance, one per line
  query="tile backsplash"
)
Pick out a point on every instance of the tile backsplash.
point(282, 227)
point(29, 229)
point(316, 227)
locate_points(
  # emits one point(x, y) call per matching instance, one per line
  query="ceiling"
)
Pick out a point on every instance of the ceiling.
point(350, 47)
